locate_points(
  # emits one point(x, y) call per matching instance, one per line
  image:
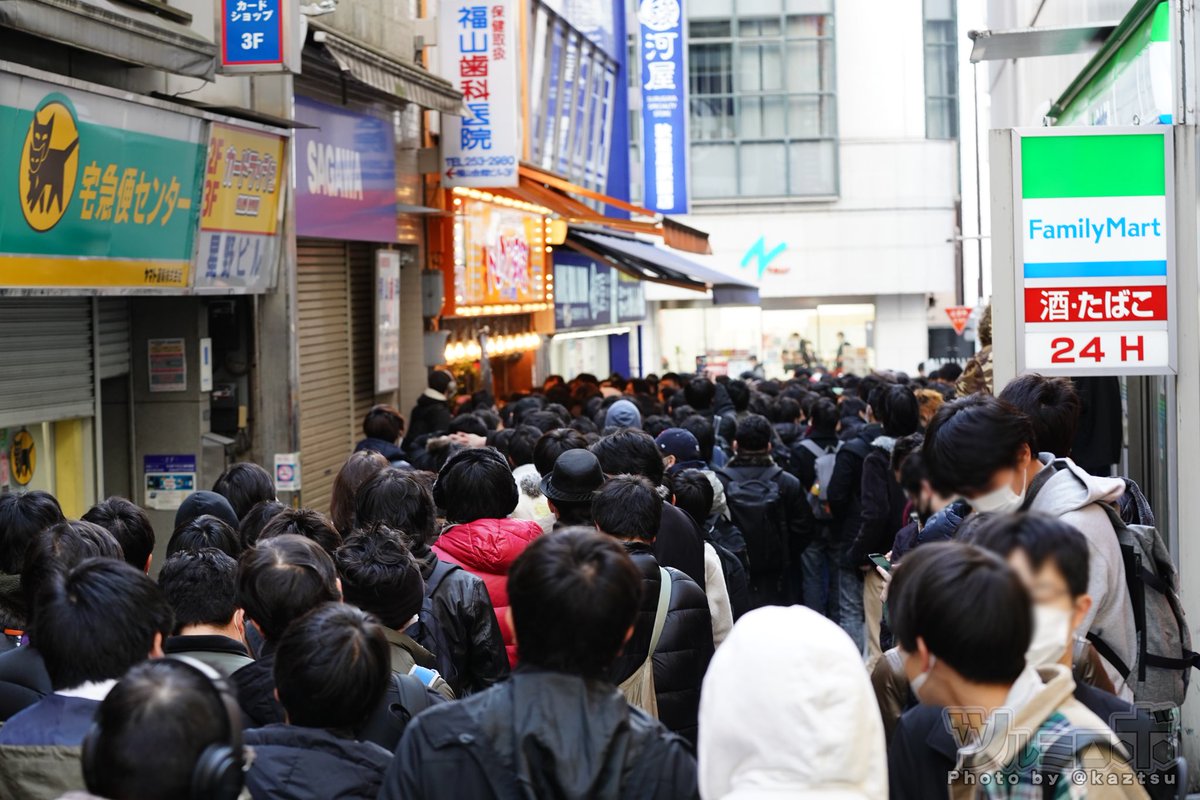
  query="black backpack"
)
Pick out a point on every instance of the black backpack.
point(756, 505)
point(428, 631)
point(406, 697)
point(722, 531)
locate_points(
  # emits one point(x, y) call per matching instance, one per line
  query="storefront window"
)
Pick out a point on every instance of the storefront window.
point(763, 103)
point(571, 80)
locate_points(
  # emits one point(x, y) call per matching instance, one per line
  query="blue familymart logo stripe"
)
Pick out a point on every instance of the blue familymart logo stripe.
point(1095, 269)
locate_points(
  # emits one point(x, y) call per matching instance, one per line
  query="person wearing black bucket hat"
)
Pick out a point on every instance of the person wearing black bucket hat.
point(570, 485)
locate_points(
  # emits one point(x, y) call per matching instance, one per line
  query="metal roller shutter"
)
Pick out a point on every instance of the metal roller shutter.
point(45, 359)
point(326, 384)
point(362, 328)
point(113, 344)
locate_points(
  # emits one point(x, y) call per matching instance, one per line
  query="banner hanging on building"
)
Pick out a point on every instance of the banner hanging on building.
point(1094, 248)
point(664, 105)
point(240, 209)
point(345, 174)
point(479, 44)
point(100, 192)
point(583, 291)
point(500, 261)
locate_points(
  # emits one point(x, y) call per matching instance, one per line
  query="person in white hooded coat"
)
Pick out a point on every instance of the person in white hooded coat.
point(787, 710)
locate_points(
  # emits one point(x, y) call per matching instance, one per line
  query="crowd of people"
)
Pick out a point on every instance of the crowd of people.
point(665, 587)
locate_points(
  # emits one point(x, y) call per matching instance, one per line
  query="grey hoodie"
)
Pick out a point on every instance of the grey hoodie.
point(1072, 495)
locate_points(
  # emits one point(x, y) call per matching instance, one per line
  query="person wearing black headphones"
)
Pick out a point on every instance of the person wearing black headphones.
point(183, 712)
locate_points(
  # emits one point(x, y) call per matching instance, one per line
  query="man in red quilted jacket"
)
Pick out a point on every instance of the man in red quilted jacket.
point(477, 492)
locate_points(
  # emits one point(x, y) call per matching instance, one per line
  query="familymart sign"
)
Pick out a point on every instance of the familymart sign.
point(1094, 249)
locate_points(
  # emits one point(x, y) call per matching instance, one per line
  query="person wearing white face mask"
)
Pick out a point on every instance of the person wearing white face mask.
point(984, 450)
point(1001, 717)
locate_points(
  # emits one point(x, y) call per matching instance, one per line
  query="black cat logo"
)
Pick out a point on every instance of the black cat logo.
point(49, 164)
point(22, 458)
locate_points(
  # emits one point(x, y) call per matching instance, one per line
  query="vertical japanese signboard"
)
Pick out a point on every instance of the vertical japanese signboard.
point(664, 107)
point(1094, 249)
point(98, 192)
point(258, 36)
point(480, 44)
point(240, 209)
point(387, 321)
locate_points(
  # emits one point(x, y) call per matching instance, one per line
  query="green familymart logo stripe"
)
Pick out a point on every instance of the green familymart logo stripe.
point(1120, 165)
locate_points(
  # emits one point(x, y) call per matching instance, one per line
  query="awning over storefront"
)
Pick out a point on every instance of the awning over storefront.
point(569, 201)
point(384, 73)
point(115, 31)
point(652, 262)
point(1051, 40)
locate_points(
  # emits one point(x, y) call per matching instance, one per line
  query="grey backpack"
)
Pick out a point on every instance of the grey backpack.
point(1160, 676)
point(818, 493)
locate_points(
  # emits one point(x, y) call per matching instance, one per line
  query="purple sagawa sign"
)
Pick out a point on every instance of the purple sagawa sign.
point(345, 174)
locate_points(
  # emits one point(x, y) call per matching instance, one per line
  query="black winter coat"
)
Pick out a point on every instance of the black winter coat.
point(23, 680)
point(429, 415)
point(540, 734)
point(684, 648)
point(293, 763)
point(845, 487)
point(255, 687)
point(680, 544)
point(800, 526)
point(883, 504)
point(464, 609)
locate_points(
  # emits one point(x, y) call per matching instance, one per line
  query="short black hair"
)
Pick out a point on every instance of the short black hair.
point(304, 522)
point(853, 407)
point(694, 494)
point(628, 507)
point(467, 423)
point(903, 412)
point(739, 394)
point(705, 432)
point(630, 452)
point(383, 422)
point(699, 393)
point(574, 597)
point(359, 468)
point(476, 484)
point(396, 498)
point(1042, 538)
point(543, 420)
point(656, 424)
point(332, 667)
point(281, 579)
point(96, 621)
point(955, 456)
point(985, 640)
point(201, 586)
point(521, 444)
point(786, 409)
point(490, 419)
point(753, 434)
point(553, 444)
point(1053, 408)
point(256, 519)
point(166, 707)
point(22, 516)
point(129, 525)
point(63, 546)
point(243, 485)
point(205, 531)
point(824, 416)
point(380, 575)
